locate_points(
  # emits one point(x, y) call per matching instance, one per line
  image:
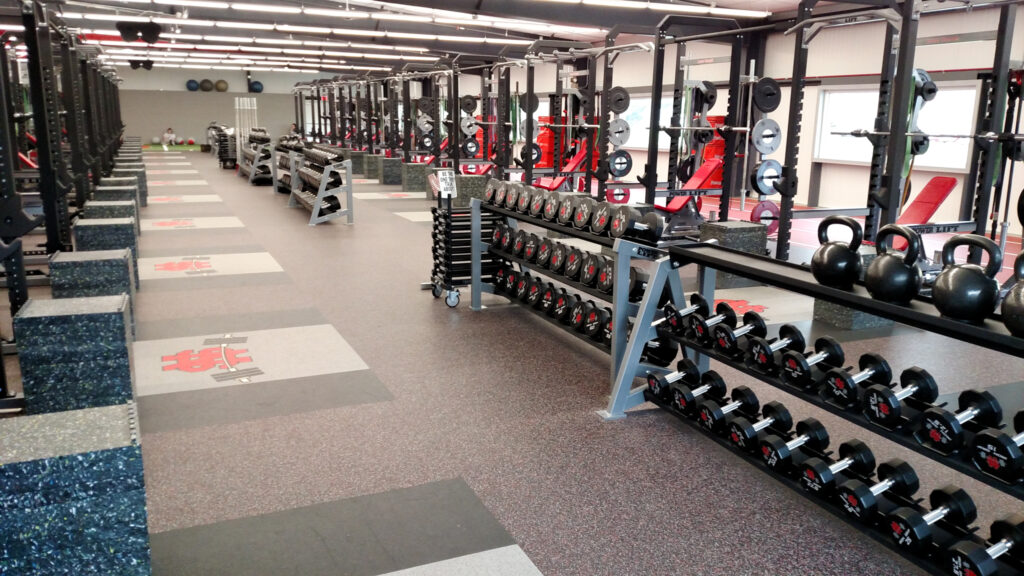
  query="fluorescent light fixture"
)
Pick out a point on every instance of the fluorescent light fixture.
point(739, 13)
point(399, 17)
point(116, 18)
point(474, 39)
point(160, 65)
point(404, 48)
point(329, 44)
point(239, 39)
point(460, 22)
point(258, 69)
point(195, 67)
point(411, 36)
point(216, 47)
point(294, 51)
point(419, 58)
point(563, 1)
point(194, 3)
point(335, 13)
point(616, 4)
point(279, 41)
point(284, 58)
point(245, 25)
point(227, 67)
point(302, 29)
point(71, 15)
point(266, 8)
point(369, 46)
point(691, 9)
point(12, 28)
point(184, 22)
point(354, 32)
point(262, 49)
point(343, 54)
point(510, 41)
point(180, 36)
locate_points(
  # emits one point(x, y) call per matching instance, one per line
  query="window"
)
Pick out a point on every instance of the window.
point(843, 110)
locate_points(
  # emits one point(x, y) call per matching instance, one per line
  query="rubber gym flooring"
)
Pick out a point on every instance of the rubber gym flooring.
point(306, 409)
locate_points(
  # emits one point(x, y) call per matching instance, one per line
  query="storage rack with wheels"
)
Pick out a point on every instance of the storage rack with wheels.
point(454, 234)
point(921, 314)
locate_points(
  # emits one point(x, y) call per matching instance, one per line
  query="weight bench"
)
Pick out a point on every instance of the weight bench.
point(927, 203)
point(696, 182)
point(574, 164)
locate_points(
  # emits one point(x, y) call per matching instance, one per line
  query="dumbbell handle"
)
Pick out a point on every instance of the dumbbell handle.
point(679, 313)
point(779, 344)
point(840, 465)
point(743, 330)
point(731, 406)
point(674, 377)
point(863, 375)
point(797, 442)
point(936, 515)
point(999, 548)
point(699, 390)
point(715, 320)
point(1018, 439)
point(763, 423)
point(966, 415)
point(905, 392)
point(882, 486)
point(816, 357)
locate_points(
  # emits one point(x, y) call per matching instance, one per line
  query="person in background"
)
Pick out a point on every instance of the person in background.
point(294, 130)
point(169, 138)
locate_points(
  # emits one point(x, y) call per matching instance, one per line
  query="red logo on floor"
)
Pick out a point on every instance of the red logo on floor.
point(182, 265)
point(166, 199)
point(173, 223)
point(743, 306)
point(205, 359)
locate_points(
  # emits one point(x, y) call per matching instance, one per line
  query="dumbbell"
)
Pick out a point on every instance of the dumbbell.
point(727, 338)
point(511, 279)
point(912, 529)
point(943, 431)
point(566, 208)
point(552, 201)
point(601, 218)
point(512, 195)
point(507, 238)
point(544, 252)
point(676, 319)
point(592, 264)
point(780, 454)
point(530, 248)
point(997, 453)
point(684, 398)
point(686, 370)
point(573, 263)
point(578, 314)
point(819, 476)
point(746, 435)
point(629, 220)
point(563, 305)
point(525, 197)
point(700, 326)
point(969, 558)
point(884, 406)
point(537, 200)
point(559, 252)
point(842, 386)
point(594, 324)
point(522, 286)
point(499, 278)
point(583, 207)
point(496, 235)
point(762, 352)
point(712, 413)
point(547, 299)
point(796, 365)
point(861, 501)
point(519, 243)
point(536, 297)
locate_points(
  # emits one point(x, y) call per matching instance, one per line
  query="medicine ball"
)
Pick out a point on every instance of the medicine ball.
point(206, 85)
point(222, 85)
point(192, 85)
point(256, 86)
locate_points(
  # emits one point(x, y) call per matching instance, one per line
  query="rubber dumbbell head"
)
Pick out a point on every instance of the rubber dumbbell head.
point(780, 454)
point(997, 453)
point(968, 557)
point(746, 435)
point(819, 476)
point(843, 387)
point(712, 413)
point(700, 326)
point(796, 366)
point(686, 371)
point(762, 352)
point(684, 398)
point(676, 319)
point(727, 338)
point(861, 501)
point(884, 406)
point(544, 252)
point(912, 529)
point(943, 431)
point(547, 298)
point(594, 324)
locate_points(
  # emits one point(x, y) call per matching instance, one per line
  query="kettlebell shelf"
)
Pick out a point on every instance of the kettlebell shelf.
point(920, 313)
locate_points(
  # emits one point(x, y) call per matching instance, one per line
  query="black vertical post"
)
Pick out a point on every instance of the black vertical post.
point(555, 108)
point(503, 117)
point(455, 115)
point(530, 97)
point(787, 184)
point(485, 114)
point(679, 89)
point(371, 117)
point(607, 77)
point(589, 96)
point(332, 111)
point(436, 115)
point(72, 93)
point(903, 90)
point(880, 141)
point(657, 84)
point(407, 130)
point(89, 107)
point(732, 118)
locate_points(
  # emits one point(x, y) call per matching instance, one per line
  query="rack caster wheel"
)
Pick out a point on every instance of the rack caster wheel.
point(452, 299)
point(436, 291)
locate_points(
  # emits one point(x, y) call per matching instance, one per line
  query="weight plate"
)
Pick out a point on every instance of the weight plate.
point(544, 252)
point(468, 126)
point(558, 253)
point(529, 103)
point(704, 136)
point(766, 212)
point(684, 171)
point(507, 238)
point(620, 163)
point(766, 136)
point(618, 132)
point(618, 99)
point(766, 173)
point(583, 207)
point(710, 94)
point(471, 148)
point(534, 291)
point(551, 203)
point(547, 299)
point(512, 196)
point(468, 104)
point(767, 95)
point(606, 277)
point(427, 142)
point(425, 123)
point(573, 263)
point(535, 149)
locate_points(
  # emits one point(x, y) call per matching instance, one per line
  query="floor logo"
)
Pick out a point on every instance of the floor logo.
point(219, 355)
point(743, 306)
point(188, 265)
point(186, 223)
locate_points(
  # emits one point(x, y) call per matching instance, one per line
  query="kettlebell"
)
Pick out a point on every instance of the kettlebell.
point(968, 292)
point(837, 264)
point(892, 277)
point(1013, 304)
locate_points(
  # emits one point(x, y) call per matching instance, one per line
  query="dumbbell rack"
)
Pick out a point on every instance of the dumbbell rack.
point(253, 158)
point(289, 162)
point(625, 253)
point(317, 203)
point(920, 314)
point(455, 233)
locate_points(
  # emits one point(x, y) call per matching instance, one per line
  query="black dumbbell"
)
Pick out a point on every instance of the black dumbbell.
point(511, 279)
point(496, 235)
point(796, 365)
point(780, 454)
point(499, 278)
point(601, 218)
point(583, 208)
point(534, 291)
point(566, 209)
point(727, 338)
point(556, 263)
point(686, 370)
point(508, 236)
point(861, 501)
point(746, 435)
point(629, 220)
point(573, 263)
point(564, 304)
point(912, 529)
point(843, 387)
point(943, 431)
point(684, 398)
point(519, 243)
point(592, 264)
point(547, 298)
point(700, 325)
point(544, 252)
point(530, 249)
point(995, 452)
point(884, 406)
point(969, 558)
point(676, 319)
point(595, 322)
point(762, 352)
point(712, 413)
point(522, 286)
point(819, 476)
point(578, 314)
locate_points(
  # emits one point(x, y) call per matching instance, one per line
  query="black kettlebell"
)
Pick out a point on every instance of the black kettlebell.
point(837, 264)
point(1013, 304)
point(968, 292)
point(893, 277)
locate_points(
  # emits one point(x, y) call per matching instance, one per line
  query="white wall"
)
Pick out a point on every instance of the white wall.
point(174, 79)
